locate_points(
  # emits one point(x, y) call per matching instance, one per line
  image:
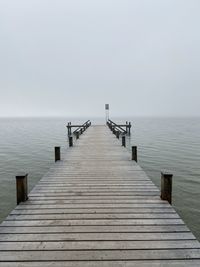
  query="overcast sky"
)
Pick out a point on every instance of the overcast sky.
point(69, 58)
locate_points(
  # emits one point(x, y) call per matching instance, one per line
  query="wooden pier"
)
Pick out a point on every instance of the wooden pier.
point(96, 207)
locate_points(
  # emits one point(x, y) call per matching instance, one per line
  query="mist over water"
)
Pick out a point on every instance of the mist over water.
point(27, 145)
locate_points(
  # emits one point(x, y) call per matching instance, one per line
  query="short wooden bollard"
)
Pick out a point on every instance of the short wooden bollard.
point(57, 153)
point(166, 186)
point(117, 134)
point(126, 126)
point(129, 129)
point(70, 141)
point(21, 188)
point(124, 140)
point(134, 153)
point(77, 135)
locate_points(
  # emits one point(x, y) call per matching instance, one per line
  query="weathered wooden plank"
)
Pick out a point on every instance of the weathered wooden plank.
point(93, 202)
point(96, 236)
point(115, 263)
point(91, 198)
point(89, 216)
point(100, 245)
point(100, 255)
point(86, 206)
point(132, 222)
point(91, 211)
point(94, 229)
point(71, 194)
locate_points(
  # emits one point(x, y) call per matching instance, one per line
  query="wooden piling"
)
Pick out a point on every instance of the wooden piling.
point(57, 153)
point(70, 141)
point(126, 126)
point(117, 134)
point(21, 188)
point(124, 141)
point(134, 153)
point(166, 186)
point(77, 135)
point(129, 128)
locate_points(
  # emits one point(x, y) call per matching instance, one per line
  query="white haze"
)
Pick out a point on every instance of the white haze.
point(69, 58)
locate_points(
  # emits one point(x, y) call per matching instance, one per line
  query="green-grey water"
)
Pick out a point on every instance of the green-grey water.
point(27, 145)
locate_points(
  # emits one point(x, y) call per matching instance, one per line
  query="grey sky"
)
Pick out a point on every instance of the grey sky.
point(71, 57)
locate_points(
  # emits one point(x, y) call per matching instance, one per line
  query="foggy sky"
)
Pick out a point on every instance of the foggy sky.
point(69, 58)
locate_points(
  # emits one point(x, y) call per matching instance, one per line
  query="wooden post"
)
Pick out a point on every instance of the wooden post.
point(134, 153)
point(21, 188)
point(77, 135)
point(129, 128)
point(166, 186)
point(81, 130)
point(57, 153)
point(126, 126)
point(117, 134)
point(68, 129)
point(70, 141)
point(124, 141)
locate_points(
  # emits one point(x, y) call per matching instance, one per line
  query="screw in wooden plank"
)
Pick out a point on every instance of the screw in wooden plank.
point(21, 187)
point(166, 186)
point(134, 153)
point(124, 140)
point(57, 153)
point(70, 141)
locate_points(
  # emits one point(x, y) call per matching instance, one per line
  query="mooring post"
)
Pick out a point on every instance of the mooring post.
point(70, 128)
point(117, 134)
point(77, 135)
point(134, 153)
point(166, 186)
point(129, 128)
point(70, 141)
point(126, 126)
point(57, 153)
point(124, 141)
point(21, 188)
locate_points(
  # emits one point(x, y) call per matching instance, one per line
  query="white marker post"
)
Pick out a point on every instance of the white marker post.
point(107, 112)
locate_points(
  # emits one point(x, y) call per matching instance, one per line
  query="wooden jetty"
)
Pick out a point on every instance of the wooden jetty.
point(96, 207)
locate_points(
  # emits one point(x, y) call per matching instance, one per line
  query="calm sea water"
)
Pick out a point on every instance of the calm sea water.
point(163, 143)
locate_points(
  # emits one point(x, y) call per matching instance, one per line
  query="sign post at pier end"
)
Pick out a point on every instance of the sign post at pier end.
point(107, 112)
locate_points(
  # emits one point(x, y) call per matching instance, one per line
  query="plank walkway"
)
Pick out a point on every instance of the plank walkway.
point(96, 207)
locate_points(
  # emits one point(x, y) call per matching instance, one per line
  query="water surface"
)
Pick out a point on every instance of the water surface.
point(163, 143)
